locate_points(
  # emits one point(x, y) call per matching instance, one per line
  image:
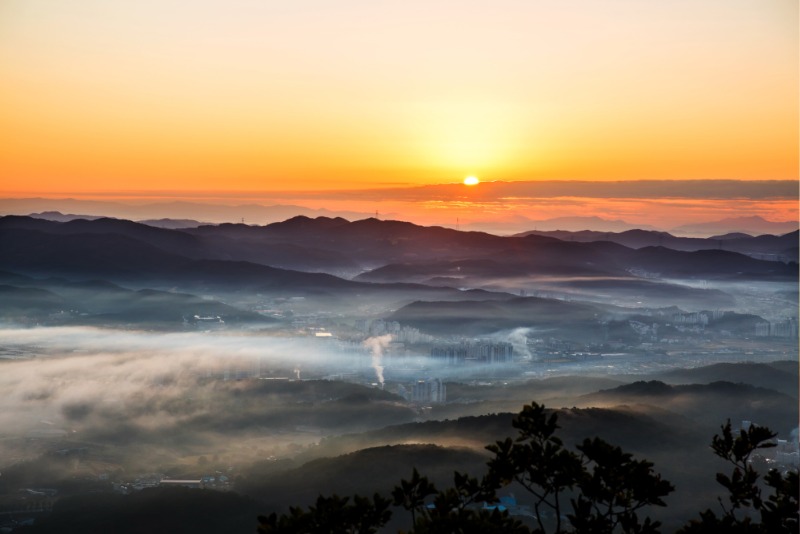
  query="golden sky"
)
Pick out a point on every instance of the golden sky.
point(266, 95)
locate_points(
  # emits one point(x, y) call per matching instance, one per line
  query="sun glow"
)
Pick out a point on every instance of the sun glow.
point(471, 180)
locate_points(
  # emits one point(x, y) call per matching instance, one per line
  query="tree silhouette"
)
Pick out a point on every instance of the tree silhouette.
point(595, 489)
point(331, 515)
point(605, 487)
point(778, 513)
point(457, 509)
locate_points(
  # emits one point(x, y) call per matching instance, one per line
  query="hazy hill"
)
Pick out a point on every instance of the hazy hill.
point(762, 245)
point(706, 263)
point(705, 403)
point(59, 301)
point(665, 438)
point(62, 217)
point(174, 241)
point(241, 259)
point(730, 236)
point(750, 225)
point(582, 223)
point(326, 244)
point(130, 261)
point(637, 429)
point(168, 240)
point(484, 317)
point(217, 213)
point(220, 411)
point(576, 320)
point(555, 391)
point(83, 256)
point(172, 224)
point(562, 278)
point(365, 472)
point(372, 241)
point(528, 256)
point(780, 376)
point(18, 300)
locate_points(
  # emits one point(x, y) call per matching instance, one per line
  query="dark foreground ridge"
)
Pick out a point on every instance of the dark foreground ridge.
point(598, 489)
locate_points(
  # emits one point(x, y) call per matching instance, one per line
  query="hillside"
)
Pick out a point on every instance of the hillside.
point(707, 403)
point(780, 376)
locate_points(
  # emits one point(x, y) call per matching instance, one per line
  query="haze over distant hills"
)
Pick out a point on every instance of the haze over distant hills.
point(259, 257)
point(751, 225)
point(781, 247)
point(124, 249)
point(415, 272)
point(249, 352)
point(215, 213)
point(173, 224)
point(185, 213)
point(574, 223)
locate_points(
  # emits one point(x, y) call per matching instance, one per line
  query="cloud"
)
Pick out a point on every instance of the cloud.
point(630, 189)
point(80, 373)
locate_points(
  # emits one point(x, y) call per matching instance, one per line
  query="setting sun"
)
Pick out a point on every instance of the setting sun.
point(471, 180)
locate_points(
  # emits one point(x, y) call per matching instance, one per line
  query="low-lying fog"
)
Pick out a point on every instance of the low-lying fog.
point(65, 374)
point(91, 404)
point(55, 380)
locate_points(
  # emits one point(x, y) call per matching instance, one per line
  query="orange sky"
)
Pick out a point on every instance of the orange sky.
point(243, 95)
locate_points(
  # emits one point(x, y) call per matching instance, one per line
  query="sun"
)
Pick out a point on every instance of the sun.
point(471, 180)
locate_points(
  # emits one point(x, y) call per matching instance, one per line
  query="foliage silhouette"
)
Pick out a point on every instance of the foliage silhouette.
point(597, 488)
point(778, 512)
point(604, 486)
point(331, 515)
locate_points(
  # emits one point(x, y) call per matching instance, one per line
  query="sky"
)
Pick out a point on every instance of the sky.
point(284, 100)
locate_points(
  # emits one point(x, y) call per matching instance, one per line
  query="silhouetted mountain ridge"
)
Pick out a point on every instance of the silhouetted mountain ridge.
point(773, 245)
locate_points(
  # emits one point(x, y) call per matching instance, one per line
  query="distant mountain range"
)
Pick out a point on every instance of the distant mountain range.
point(783, 247)
point(183, 214)
point(749, 225)
point(216, 213)
point(698, 401)
point(721, 229)
point(391, 264)
point(574, 224)
point(336, 246)
point(780, 376)
point(172, 224)
point(398, 250)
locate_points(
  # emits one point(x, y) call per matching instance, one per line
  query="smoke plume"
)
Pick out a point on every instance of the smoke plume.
point(377, 345)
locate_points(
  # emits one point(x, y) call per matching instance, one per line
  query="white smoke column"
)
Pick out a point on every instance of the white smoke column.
point(377, 345)
point(519, 340)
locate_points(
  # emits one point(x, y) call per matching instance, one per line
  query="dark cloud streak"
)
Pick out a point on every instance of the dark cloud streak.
point(639, 189)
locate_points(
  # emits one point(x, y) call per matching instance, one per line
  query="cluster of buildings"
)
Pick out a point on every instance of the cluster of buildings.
point(400, 334)
point(699, 318)
point(481, 352)
point(425, 391)
point(785, 328)
point(785, 453)
point(217, 481)
point(431, 391)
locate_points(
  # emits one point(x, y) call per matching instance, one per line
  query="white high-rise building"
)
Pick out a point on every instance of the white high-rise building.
point(431, 390)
